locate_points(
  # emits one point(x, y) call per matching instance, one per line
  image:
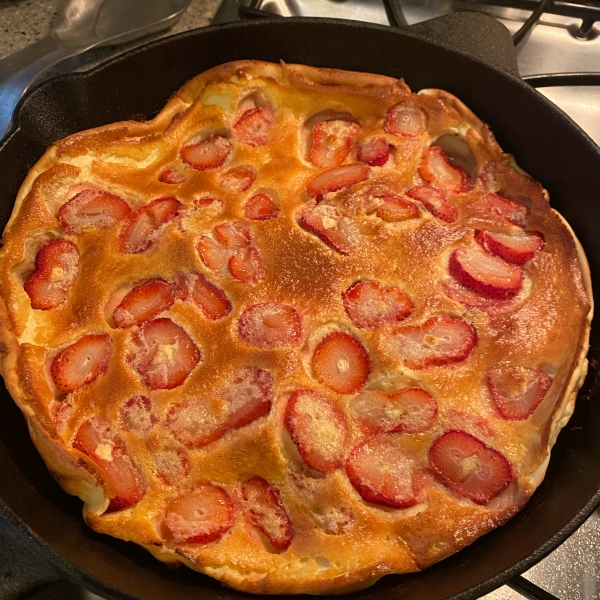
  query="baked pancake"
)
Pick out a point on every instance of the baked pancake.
point(303, 329)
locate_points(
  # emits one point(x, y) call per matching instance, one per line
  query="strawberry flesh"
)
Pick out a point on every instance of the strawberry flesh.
point(486, 274)
point(514, 248)
point(318, 429)
point(254, 127)
point(81, 362)
point(163, 354)
point(517, 391)
point(200, 516)
point(374, 152)
point(238, 179)
point(392, 208)
point(435, 168)
point(144, 302)
point(331, 226)
point(213, 254)
point(504, 208)
point(331, 141)
point(210, 299)
point(92, 209)
point(260, 207)
point(266, 512)
point(341, 363)
point(439, 341)
point(124, 482)
point(270, 325)
point(247, 265)
point(382, 473)
point(409, 410)
point(195, 423)
point(56, 269)
point(338, 178)
point(371, 304)
point(435, 201)
point(210, 154)
point(468, 466)
point(406, 119)
point(137, 415)
point(171, 176)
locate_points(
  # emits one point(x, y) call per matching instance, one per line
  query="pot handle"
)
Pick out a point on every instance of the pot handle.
point(474, 33)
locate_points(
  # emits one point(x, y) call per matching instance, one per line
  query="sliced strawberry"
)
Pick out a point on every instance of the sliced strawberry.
point(171, 175)
point(56, 269)
point(232, 235)
point(260, 207)
point(318, 429)
point(247, 265)
point(440, 341)
point(195, 423)
point(392, 208)
point(435, 168)
point(435, 201)
point(61, 412)
point(266, 512)
point(406, 119)
point(409, 410)
point(124, 482)
point(137, 415)
point(172, 465)
point(210, 154)
point(517, 391)
point(514, 248)
point(238, 179)
point(254, 127)
point(382, 473)
point(468, 466)
point(331, 226)
point(92, 209)
point(163, 354)
point(81, 362)
point(372, 304)
point(486, 274)
point(209, 201)
point(200, 516)
point(140, 229)
point(338, 178)
point(270, 325)
point(144, 302)
point(374, 152)
point(331, 141)
point(249, 395)
point(341, 363)
point(213, 254)
point(455, 290)
point(506, 209)
point(210, 299)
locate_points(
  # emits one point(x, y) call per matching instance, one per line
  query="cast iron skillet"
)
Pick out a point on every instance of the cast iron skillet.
point(546, 143)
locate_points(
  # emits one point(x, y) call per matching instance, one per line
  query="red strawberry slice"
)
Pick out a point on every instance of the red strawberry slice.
point(435, 201)
point(124, 482)
point(341, 363)
point(409, 410)
point(140, 229)
point(506, 209)
point(249, 395)
point(213, 254)
point(270, 325)
point(255, 126)
point(260, 207)
point(331, 141)
point(382, 473)
point(144, 302)
point(92, 209)
point(435, 168)
point(439, 341)
point(517, 391)
point(81, 362)
point(238, 179)
point(172, 465)
point(210, 154)
point(468, 466)
point(455, 290)
point(210, 299)
point(374, 152)
point(137, 415)
point(318, 429)
point(56, 269)
point(406, 119)
point(514, 248)
point(171, 175)
point(266, 512)
point(247, 265)
point(232, 235)
point(486, 274)
point(163, 354)
point(338, 178)
point(200, 516)
point(209, 201)
point(392, 208)
point(195, 422)
point(331, 226)
point(372, 304)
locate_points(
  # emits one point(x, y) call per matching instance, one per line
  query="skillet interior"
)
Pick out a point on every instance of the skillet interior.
point(547, 145)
